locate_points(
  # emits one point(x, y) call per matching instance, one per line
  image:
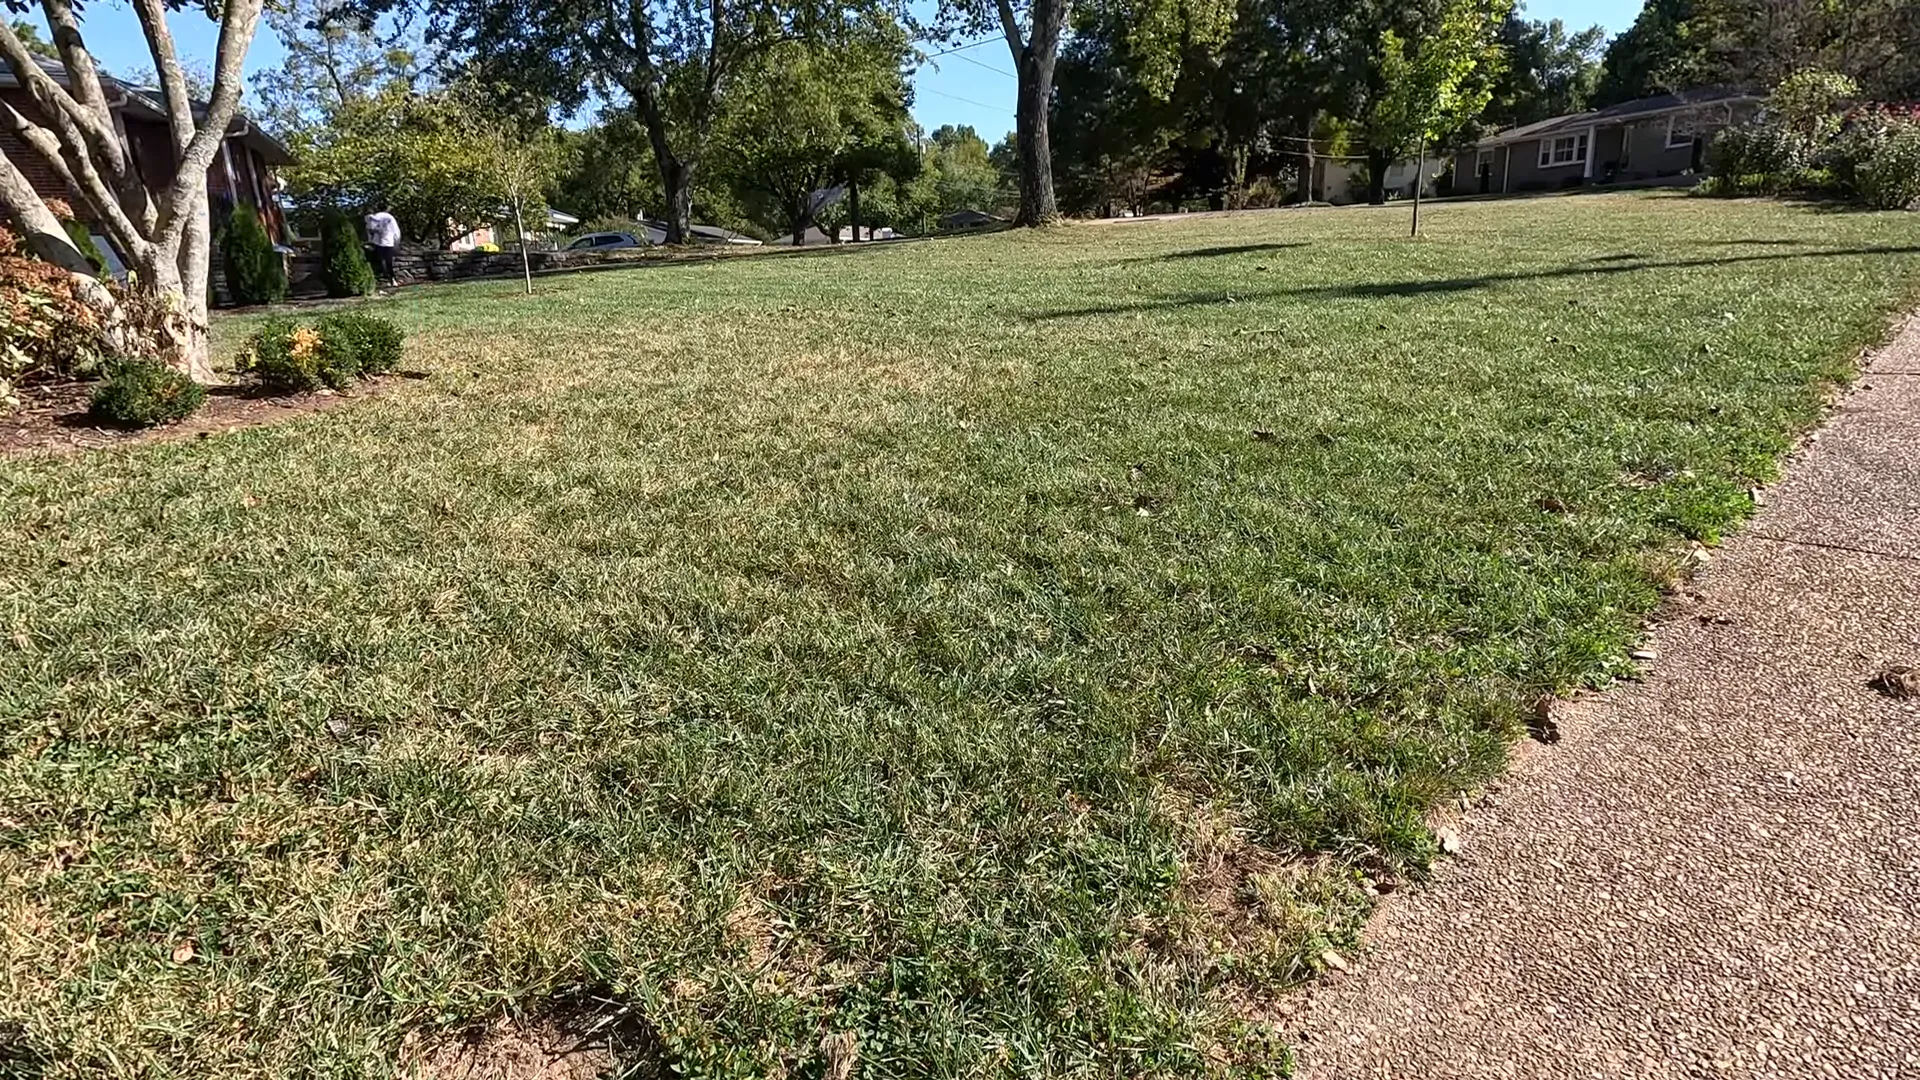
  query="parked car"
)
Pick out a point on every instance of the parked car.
point(608, 241)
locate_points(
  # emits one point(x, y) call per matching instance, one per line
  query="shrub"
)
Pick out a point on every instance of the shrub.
point(343, 261)
point(1890, 178)
point(283, 355)
point(373, 342)
point(141, 393)
point(255, 274)
point(288, 356)
point(45, 325)
point(1762, 148)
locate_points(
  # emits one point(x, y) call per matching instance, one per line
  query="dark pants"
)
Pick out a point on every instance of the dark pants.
point(383, 264)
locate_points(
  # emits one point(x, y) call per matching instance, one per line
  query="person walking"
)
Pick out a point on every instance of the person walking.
point(383, 235)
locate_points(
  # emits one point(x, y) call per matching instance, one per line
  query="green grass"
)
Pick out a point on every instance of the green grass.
point(916, 642)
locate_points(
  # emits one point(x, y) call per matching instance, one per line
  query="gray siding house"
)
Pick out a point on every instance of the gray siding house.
point(1635, 140)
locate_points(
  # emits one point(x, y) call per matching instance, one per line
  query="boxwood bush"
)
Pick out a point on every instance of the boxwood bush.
point(289, 356)
point(139, 392)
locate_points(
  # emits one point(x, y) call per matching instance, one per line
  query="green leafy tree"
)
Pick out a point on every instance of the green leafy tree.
point(672, 65)
point(806, 119)
point(1435, 85)
point(330, 60)
point(1157, 31)
point(1550, 71)
point(343, 259)
point(607, 172)
point(30, 39)
point(1809, 104)
point(255, 272)
point(963, 174)
point(416, 152)
point(1662, 51)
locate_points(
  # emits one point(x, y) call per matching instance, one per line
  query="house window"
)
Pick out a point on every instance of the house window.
point(1565, 150)
point(1679, 132)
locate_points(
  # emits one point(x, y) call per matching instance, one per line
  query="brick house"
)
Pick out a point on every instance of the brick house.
point(241, 173)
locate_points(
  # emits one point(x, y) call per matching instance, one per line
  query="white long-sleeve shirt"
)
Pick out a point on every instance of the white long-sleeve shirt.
point(382, 230)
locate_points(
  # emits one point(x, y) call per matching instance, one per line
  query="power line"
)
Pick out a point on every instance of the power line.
point(957, 97)
point(989, 67)
point(963, 48)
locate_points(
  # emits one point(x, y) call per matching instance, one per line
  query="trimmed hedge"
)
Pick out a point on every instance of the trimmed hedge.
point(289, 356)
point(141, 393)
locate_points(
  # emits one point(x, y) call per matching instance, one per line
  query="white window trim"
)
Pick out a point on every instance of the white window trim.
point(1673, 122)
point(1580, 153)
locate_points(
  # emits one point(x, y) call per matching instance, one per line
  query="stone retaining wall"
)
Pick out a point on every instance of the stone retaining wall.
point(415, 264)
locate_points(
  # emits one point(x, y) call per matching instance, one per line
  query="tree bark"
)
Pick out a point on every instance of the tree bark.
point(1031, 138)
point(676, 175)
point(853, 207)
point(1378, 162)
point(1033, 60)
point(38, 227)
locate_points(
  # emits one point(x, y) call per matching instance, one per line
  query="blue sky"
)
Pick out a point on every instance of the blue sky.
point(972, 86)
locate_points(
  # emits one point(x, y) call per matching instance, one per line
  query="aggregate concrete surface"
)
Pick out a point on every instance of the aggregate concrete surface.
point(1716, 871)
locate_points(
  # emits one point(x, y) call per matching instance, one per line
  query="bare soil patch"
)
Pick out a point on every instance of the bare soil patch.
point(53, 416)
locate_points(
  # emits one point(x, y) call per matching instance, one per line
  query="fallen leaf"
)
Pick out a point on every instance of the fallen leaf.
point(1333, 961)
point(1541, 724)
point(842, 1049)
point(183, 952)
point(1900, 682)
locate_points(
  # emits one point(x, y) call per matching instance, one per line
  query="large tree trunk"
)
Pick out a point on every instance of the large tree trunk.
point(1034, 59)
point(1378, 162)
point(677, 179)
point(676, 175)
point(1037, 204)
point(853, 207)
point(181, 333)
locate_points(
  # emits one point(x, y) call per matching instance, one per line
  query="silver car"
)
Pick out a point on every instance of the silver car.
point(609, 241)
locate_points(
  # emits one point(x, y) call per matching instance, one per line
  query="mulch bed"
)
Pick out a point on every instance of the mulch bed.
point(53, 416)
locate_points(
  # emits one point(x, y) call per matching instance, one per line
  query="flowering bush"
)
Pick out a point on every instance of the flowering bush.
point(283, 355)
point(45, 325)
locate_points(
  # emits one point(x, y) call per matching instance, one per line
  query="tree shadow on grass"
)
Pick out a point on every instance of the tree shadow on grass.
point(1378, 290)
point(1217, 252)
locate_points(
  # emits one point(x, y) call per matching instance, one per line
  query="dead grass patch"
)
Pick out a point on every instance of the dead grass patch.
point(512, 1049)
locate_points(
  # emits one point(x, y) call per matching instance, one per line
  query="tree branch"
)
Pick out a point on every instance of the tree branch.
point(83, 78)
point(76, 170)
point(38, 226)
point(1010, 26)
point(98, 138)
point(189, 182)
point(166, 65)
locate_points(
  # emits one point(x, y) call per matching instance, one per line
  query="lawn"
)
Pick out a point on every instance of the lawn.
point(1011, 655)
